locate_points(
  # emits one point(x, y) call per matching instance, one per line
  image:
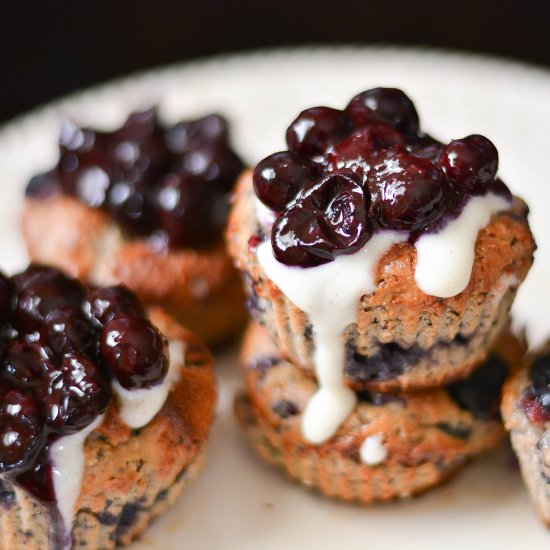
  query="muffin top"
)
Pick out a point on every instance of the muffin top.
point(167, 183)
point(65, 349)
point(349, 174)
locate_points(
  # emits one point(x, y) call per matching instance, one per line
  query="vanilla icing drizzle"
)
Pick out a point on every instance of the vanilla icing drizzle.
point(330, 293)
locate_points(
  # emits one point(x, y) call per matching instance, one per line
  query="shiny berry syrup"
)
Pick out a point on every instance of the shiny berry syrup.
point(61, 345)
point(168, 183)
point(349, 173)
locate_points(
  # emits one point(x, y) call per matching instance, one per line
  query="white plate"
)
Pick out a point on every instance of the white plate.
point(238, 503)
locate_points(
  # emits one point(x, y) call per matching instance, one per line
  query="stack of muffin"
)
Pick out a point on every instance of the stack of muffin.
point(380, 266)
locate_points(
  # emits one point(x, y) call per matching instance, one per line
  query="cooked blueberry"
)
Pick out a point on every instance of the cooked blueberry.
point(135, 351)
point(78, 394)
point(138, 127)
point(192, 134)
point(25, 366)
point(285, 408)
point(132, 207)
point(411, 190)
point(107, 302)
point(424, 146)
point(536, 401)
point(192, 211)
point(470, 164)
point(329, 218)
point(315, 129)
point(279, 177)
point(21, 429)
point(68, 330)
point(388, 105)
point(358, 150)
point(41, 290)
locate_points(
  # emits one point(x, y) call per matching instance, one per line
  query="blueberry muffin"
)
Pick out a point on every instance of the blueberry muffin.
point(105, 410)
point(526, 413)
point(377, 256)
point(390, 446)
point(145, 206)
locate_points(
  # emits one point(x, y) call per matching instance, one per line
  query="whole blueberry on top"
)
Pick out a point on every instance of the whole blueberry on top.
point(278, 178)
point(328, 218)
point(410, 191)
point(470, 164)
point(135, 351)
point(388, 105)
point(315, 129)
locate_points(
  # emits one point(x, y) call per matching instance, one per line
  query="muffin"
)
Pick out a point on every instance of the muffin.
point(526, 413)
point(105, 409)
point(378, 257)
point(390, 446)
point(145, 206)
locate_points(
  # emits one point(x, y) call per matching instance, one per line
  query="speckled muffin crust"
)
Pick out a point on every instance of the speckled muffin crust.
point(530, 437)
point(199, 288)
point(131, 476)
point(403, 338)
point(426, 436)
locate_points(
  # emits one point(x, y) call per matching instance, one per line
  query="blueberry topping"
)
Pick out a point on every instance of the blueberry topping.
point(124, 173)
point(388, 105)
point(410, 181)
point(470, 164)
point(20, 426)
point(315, 129)
point(327, 219)
point(279, 177)
point(78, 394)
point(135, 351)
point(110, 301)
point(59, 351)
point(411, 190)
point(68, 330)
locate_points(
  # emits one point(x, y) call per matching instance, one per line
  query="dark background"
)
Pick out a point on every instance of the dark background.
point(50, 48)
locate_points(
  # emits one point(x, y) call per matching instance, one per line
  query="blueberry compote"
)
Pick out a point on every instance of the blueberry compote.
point(347, 174)
point(173, 182)
point(61, 345)
point(536, 398)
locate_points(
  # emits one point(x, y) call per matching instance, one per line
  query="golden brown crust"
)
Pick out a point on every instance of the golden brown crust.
point(531, 442)
point(398, 312)
point(427, 436)
point(131, 476)
point(201, 289)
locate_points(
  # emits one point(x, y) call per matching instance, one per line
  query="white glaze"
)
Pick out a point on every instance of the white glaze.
point(67, 456)
point(445, 259)
point(329, 294)
point(372, 452)
point(139, 407)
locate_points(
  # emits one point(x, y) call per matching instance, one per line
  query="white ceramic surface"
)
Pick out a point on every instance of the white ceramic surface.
point(238, 503)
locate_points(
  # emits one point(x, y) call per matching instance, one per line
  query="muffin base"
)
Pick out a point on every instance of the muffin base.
point(130, 476)
point(427, 435)
point(398, 313)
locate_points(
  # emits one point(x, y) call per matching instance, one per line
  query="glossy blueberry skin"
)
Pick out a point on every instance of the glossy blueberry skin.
point(278, 178)
point(135, 351)
point(411, 191)
point(107, 302)
point(470, 164)
point(329, 218)
point(388, 105)
point(21, 429)
point(315, 129)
